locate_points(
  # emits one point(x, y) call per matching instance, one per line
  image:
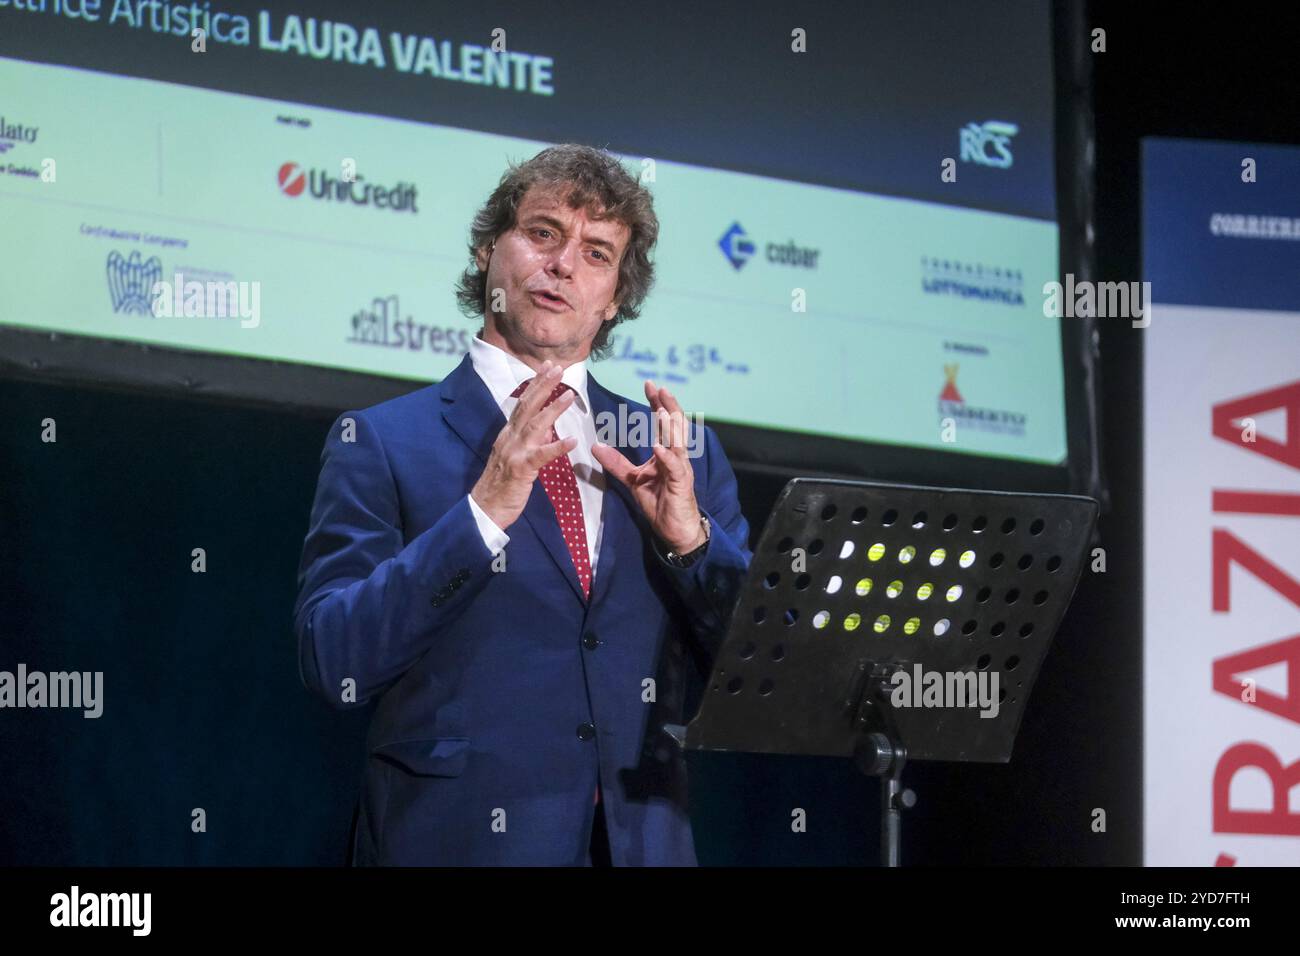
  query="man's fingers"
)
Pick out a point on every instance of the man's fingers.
point(534, 397)
point(660, 397)
point(676, 429)
point(652, 395)
point(542, 455)
point(670, 462)
point(671, 432)
point(533, 420)
point(544, 418)
point(529, 400)
point(613, 461)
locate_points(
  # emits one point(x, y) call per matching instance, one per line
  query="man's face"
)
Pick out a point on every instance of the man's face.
point(561, 251)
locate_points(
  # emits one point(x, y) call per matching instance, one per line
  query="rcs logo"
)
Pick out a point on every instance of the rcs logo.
point(977, 140)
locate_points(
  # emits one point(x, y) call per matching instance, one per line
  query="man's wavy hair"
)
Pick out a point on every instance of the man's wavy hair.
point(592, 180)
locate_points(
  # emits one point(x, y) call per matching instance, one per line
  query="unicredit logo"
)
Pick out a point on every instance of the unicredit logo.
point(294, 181)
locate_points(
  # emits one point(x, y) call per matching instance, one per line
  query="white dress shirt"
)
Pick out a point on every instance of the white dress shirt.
point(502, 373)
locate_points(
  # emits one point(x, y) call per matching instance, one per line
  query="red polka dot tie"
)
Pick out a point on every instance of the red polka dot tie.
point(562, 488)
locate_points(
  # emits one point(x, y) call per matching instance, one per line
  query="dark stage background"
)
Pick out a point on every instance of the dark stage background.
point(97, 531)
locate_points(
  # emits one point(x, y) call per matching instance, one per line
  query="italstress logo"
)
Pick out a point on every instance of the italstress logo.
point(382, 323)
point(952, 405)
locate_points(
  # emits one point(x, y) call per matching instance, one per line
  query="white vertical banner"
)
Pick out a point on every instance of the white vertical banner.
point(1222, 518)
point(1222, 588)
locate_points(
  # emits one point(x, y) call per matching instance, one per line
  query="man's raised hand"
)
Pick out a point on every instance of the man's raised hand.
point(664, 486)
point(522, 448)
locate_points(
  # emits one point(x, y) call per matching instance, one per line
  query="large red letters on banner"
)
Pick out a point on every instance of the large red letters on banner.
point(1227, 549)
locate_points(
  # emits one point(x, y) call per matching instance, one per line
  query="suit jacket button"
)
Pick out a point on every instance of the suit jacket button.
point(591, 641)
point(462, 574)
point(586, 731)
point(436, 602)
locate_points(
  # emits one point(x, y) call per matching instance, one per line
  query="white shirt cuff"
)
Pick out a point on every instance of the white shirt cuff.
point(493, 537)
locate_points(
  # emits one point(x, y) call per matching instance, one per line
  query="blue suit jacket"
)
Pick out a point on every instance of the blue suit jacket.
point(504, 695)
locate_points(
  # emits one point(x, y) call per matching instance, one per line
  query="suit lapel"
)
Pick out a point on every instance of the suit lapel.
point(620, 514)
point(469, 409)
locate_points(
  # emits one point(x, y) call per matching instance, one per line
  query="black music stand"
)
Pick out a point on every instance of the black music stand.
point(854, 581)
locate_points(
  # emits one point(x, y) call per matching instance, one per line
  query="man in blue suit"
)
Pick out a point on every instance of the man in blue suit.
point(530, 581)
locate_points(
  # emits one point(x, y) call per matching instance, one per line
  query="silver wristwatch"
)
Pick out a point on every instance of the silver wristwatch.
point(690, 557)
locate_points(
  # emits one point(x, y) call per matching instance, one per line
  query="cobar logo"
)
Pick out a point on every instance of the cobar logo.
point(739, 249)
point(735, 245)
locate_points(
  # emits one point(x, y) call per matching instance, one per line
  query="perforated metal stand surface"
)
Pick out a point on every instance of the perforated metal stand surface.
point(852, 582)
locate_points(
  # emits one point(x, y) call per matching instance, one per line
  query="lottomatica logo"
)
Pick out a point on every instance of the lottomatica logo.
point(739, 248)
point(972, 280)
point(294, 180)
point(988, 143)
